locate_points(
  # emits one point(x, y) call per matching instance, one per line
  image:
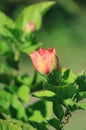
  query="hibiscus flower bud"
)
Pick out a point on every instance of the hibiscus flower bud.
point(45, 61)
point(30, 27)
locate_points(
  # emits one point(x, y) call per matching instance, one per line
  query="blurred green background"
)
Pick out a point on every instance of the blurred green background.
point(64, 27)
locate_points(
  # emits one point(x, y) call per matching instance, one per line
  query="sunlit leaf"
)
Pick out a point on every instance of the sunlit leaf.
point(33, 14)
point(5, 101)
point(5, 125)
point(68, 77)
point(39, 111)
point(23, 125)
point(23, 92)
point(17, 109)
point(74, 105)
point(3, 47)
point(43, 93)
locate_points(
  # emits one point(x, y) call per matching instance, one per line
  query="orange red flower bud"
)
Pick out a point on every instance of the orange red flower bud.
point(45, 61)
point(30, 27)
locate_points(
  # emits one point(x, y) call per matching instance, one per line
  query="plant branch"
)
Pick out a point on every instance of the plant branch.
point(66, 117)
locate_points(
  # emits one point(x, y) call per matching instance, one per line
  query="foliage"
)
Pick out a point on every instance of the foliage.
point(60, 91)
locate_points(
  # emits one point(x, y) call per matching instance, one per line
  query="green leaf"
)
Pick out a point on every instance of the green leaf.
point(74, 106)
point(81, 81)
point(39, 126)
point(24, 79)
point(68, 77)
point(44, 93)
point(62, 92)
point(5, 125)
point(3, 47)
point(4, 23)
point(39, 111)
point(11, 62)
point(10, 103)
point(5, 101)
point(24, 126)
point(5, 78)
point(17, 109)
point(55, 123)
point(30, 48)
point(23, 92)
point(54, 77)
point(33, 14)
point(81, 95)
point(18, 35)
point(3, 69)
point(11, 88)
point(58, 110)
